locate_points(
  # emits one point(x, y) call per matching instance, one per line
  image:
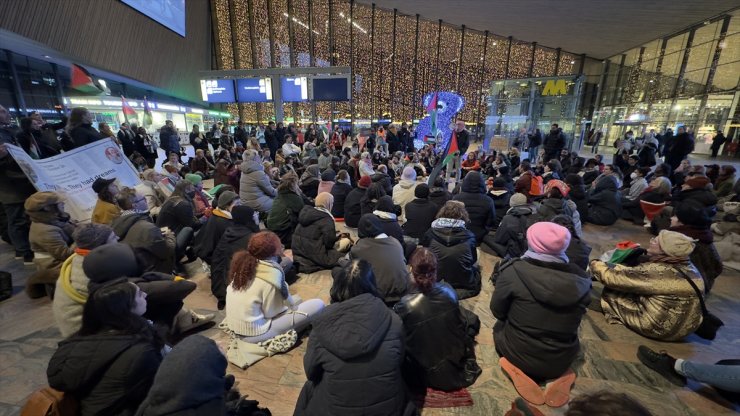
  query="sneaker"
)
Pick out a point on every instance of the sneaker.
point(28, 260)
point(662, 363)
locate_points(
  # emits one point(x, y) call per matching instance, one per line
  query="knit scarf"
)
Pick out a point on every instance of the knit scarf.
point(548, 258)
point(664, 258)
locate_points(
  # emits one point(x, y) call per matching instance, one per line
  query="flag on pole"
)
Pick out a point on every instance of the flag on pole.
point(147, 114)
point(452, 150)
point(432, 104)
point(432, 110)
point(127, 110)
point(83, 82)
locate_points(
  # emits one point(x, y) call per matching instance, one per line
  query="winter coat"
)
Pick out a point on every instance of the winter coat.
point(539, 306)
point(604, 203)
point(177, 214)
point(210, 234)
point(104, 212)
point(439, 195)
point(390, 226)
point(169, 140)
point(385, 181)
point(84, 134)
point(285, 210)
point(554, 142)
point(652, 299)
point(51, 240)
point(138, 231)
point(457, 257)
point(313, 241)
point(235, 238)
point(150, 191)
point(15, 187)
point(480, 207)
point(578, 252)
point(705, 257)
point(680, 147)
point(500, 202)
point(255, 189)
point(109, 374)
point(580, 198)
point(437, 344)
point(67, 307)
point(551, 207)
point(385, 255)
point(510, 238)
point(421, 214)
point(353, 369)
point(403, 193)
point(340, 191)
point(353, 207)
point(126, 137)
point(704, 197)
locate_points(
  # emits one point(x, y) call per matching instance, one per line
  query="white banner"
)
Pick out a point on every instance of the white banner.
point(71, 174)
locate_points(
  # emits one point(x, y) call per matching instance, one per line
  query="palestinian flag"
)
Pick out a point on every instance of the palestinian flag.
point(452, 150)
point(147, 114)
point(83, 82)
point(432, 106)
point(128, 112)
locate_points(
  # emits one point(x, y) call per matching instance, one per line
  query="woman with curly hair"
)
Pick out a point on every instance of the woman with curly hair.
point(258, 303)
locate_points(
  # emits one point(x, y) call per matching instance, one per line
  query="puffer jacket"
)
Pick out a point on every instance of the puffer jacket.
point(386, 257)
point(403, 193)
point(353, 369)
point(652, 299)
point(340, 191)
point(604, 202)
point(551, 207)
point(384, 180)
point(429, 318)
point(285, 210)
point(353, 207)
point(313, 241)
point(500, 199)
point(138, 231)
point(539, 306)
point(109, 374)
point(255, 189)
point(705, 197)
point(457, 257)
point(510, 239)
point(234, 239)
point(480, 207)
point(70, 296)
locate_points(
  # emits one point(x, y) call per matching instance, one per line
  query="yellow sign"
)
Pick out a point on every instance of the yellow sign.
point(555, 87)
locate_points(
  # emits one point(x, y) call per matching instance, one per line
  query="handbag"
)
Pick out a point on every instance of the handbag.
point(710, 323)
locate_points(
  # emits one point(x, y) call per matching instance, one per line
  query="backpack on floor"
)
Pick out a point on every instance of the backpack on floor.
point(49, 402)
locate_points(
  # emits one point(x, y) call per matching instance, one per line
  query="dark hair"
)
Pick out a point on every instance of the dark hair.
point(180, 191)
point(574, 179)
point(109, 308)
point(566, 222)
point(106, 195)
point(125, 198)
point(423, 264)
point(263, 245)
point(606, 403)
point(644, 171)
point(354, 279)
point(454, 210)
point(525, 165)
point(554, 165)
point(374, 191)
point(635, 157)
point(665, 168)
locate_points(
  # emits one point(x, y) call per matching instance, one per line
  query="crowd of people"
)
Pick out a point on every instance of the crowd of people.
point(285, 206)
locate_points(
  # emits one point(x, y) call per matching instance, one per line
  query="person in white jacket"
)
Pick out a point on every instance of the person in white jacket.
point(403, 192)
point(289, 148)
point(258, 303)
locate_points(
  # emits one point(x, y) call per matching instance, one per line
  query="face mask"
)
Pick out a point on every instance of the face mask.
point(633, 175)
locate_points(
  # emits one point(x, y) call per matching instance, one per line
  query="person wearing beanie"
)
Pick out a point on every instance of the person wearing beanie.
point(200, 200)
point(578, 251)
point(342, 187)
point(381, 176)
point(604, 202)
point(421, 213)
point(71, 286)
point(539, 301)
point(327, 181)
point(315, 237)
point(691, 219)
point(50, 236)
point(480, 207)
point(654, 299)
point(403, 192)
point(255, 189)
point(725, 181)
point(510, 238)
point(556, 202)
point(215, 227)
point(283, 217)
point(309, 182)
point(439, 192)
point(353, 202)
point(695, 190)
point(500, 194)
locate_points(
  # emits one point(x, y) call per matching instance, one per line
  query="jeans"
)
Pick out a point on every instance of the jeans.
point(297, 319)
point(454, 165)
point(724, 377)
point(182, 241)
point(18, 228)
point(533, 154)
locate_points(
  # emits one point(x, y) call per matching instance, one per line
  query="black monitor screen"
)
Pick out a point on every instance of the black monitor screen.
point(330, 89)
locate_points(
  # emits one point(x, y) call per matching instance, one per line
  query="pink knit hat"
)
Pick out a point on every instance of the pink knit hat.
point(548, 238)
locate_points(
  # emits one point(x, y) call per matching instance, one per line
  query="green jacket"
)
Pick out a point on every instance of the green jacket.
point(284, 212)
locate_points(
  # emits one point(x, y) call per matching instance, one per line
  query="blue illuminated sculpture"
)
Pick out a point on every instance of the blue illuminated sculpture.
point(448, 105)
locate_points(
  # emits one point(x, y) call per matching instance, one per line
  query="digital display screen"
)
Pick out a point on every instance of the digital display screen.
point(168, 13)
point(330, 89)
point(217, 90)
point(294, 89)
point(254, 90)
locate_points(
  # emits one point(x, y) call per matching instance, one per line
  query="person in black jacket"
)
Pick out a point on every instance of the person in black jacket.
point(554, 143)
point(341, 189)
point(31, 140)
point(109, 365)
point(454, 246)
point(578, 250)
point(198, 139)
point(271, 139)
point(355, 352)
point(604, 202)
point(235, 238)
point(387, 213)
point(126, 137)
point(353, 202)
point(439, 350)
point(80, 129)
point(146, 146)
point(370, 199)
point(315, 236)
point(169, 139)
point(680, 146)
point(420, 213)
point(510, 239)
point(479, 206)
point(381, 176)
point(178, 214)
point(220, 220)
point(500, 195)
point(577, 193)
point(538, 303)
point(438, 192)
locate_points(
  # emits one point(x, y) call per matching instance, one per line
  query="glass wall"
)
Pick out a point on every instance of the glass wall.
point(688, 79)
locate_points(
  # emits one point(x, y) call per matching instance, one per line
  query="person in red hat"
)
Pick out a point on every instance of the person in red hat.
point(352, 206)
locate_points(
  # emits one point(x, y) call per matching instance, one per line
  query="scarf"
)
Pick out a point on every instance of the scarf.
point(547, 258)
point(448, 223)
point(664, 258)
point(276, 280)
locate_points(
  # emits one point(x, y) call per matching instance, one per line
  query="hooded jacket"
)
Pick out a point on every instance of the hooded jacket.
point(403, 193)
point(235, 238)
point(500, 199)
point(211, 233)
point(255, 189)
point(384, 180)
point(705, 257)
point(68, 311)
point(109, 374)
point(339, 191)
point(138, 231)
point(353, 369)
point(50, 236)
point(353, 207)
point(420, 215)
point(457, 257)
point(604, 203)
point(200, 370)
point(510, 239)
point(313, 241)
point(285, 210)
point(539, 306)
point(551, 207)
point(479, 206)
point(385, 255)
point(176, 214)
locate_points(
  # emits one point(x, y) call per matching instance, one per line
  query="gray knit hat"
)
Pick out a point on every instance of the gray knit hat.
point(517, 200)
point(90, 236)
point(226, 198)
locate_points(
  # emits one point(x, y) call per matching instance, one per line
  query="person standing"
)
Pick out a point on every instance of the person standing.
point(463, 141)
point(665, 142)
point(146, 146)
point(197, 139)
point(240, 133)
point(169, 140)
point(535, 140)
point(680, 147)
point(80, 129)
point(596, 140)
point(271, 138)
point(717, 142)
point(554, 142)
point(126, 138)
point(405, 137)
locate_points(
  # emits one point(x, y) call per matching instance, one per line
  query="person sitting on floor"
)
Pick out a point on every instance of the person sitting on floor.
point(201, 203)
point(283, 217)
point(178, 214)
point(500, 195)
point(355, 352)
point(327, 181)
point(480, 207)
point(556, 202)
point(386, 212)
point(604, 203)
point(353, 202)
point(403, 191)
point(214, 228)
point(50, 236)
point(578, 250)
point(538, 302)
point(432, 313)
point(654, 299)
point(310, 180)
point(654, 198)
point(638, 185)
point(110, 363)
point(342, 187)
point(421, 212)
point(510, 239)
point(454, 246)
point(370, 199)
point(578, 194)
point(725, 181)
point(315, 237)
point(105, 209)
point(259, 305)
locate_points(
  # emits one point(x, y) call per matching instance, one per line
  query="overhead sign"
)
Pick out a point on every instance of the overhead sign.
point(555, 87)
